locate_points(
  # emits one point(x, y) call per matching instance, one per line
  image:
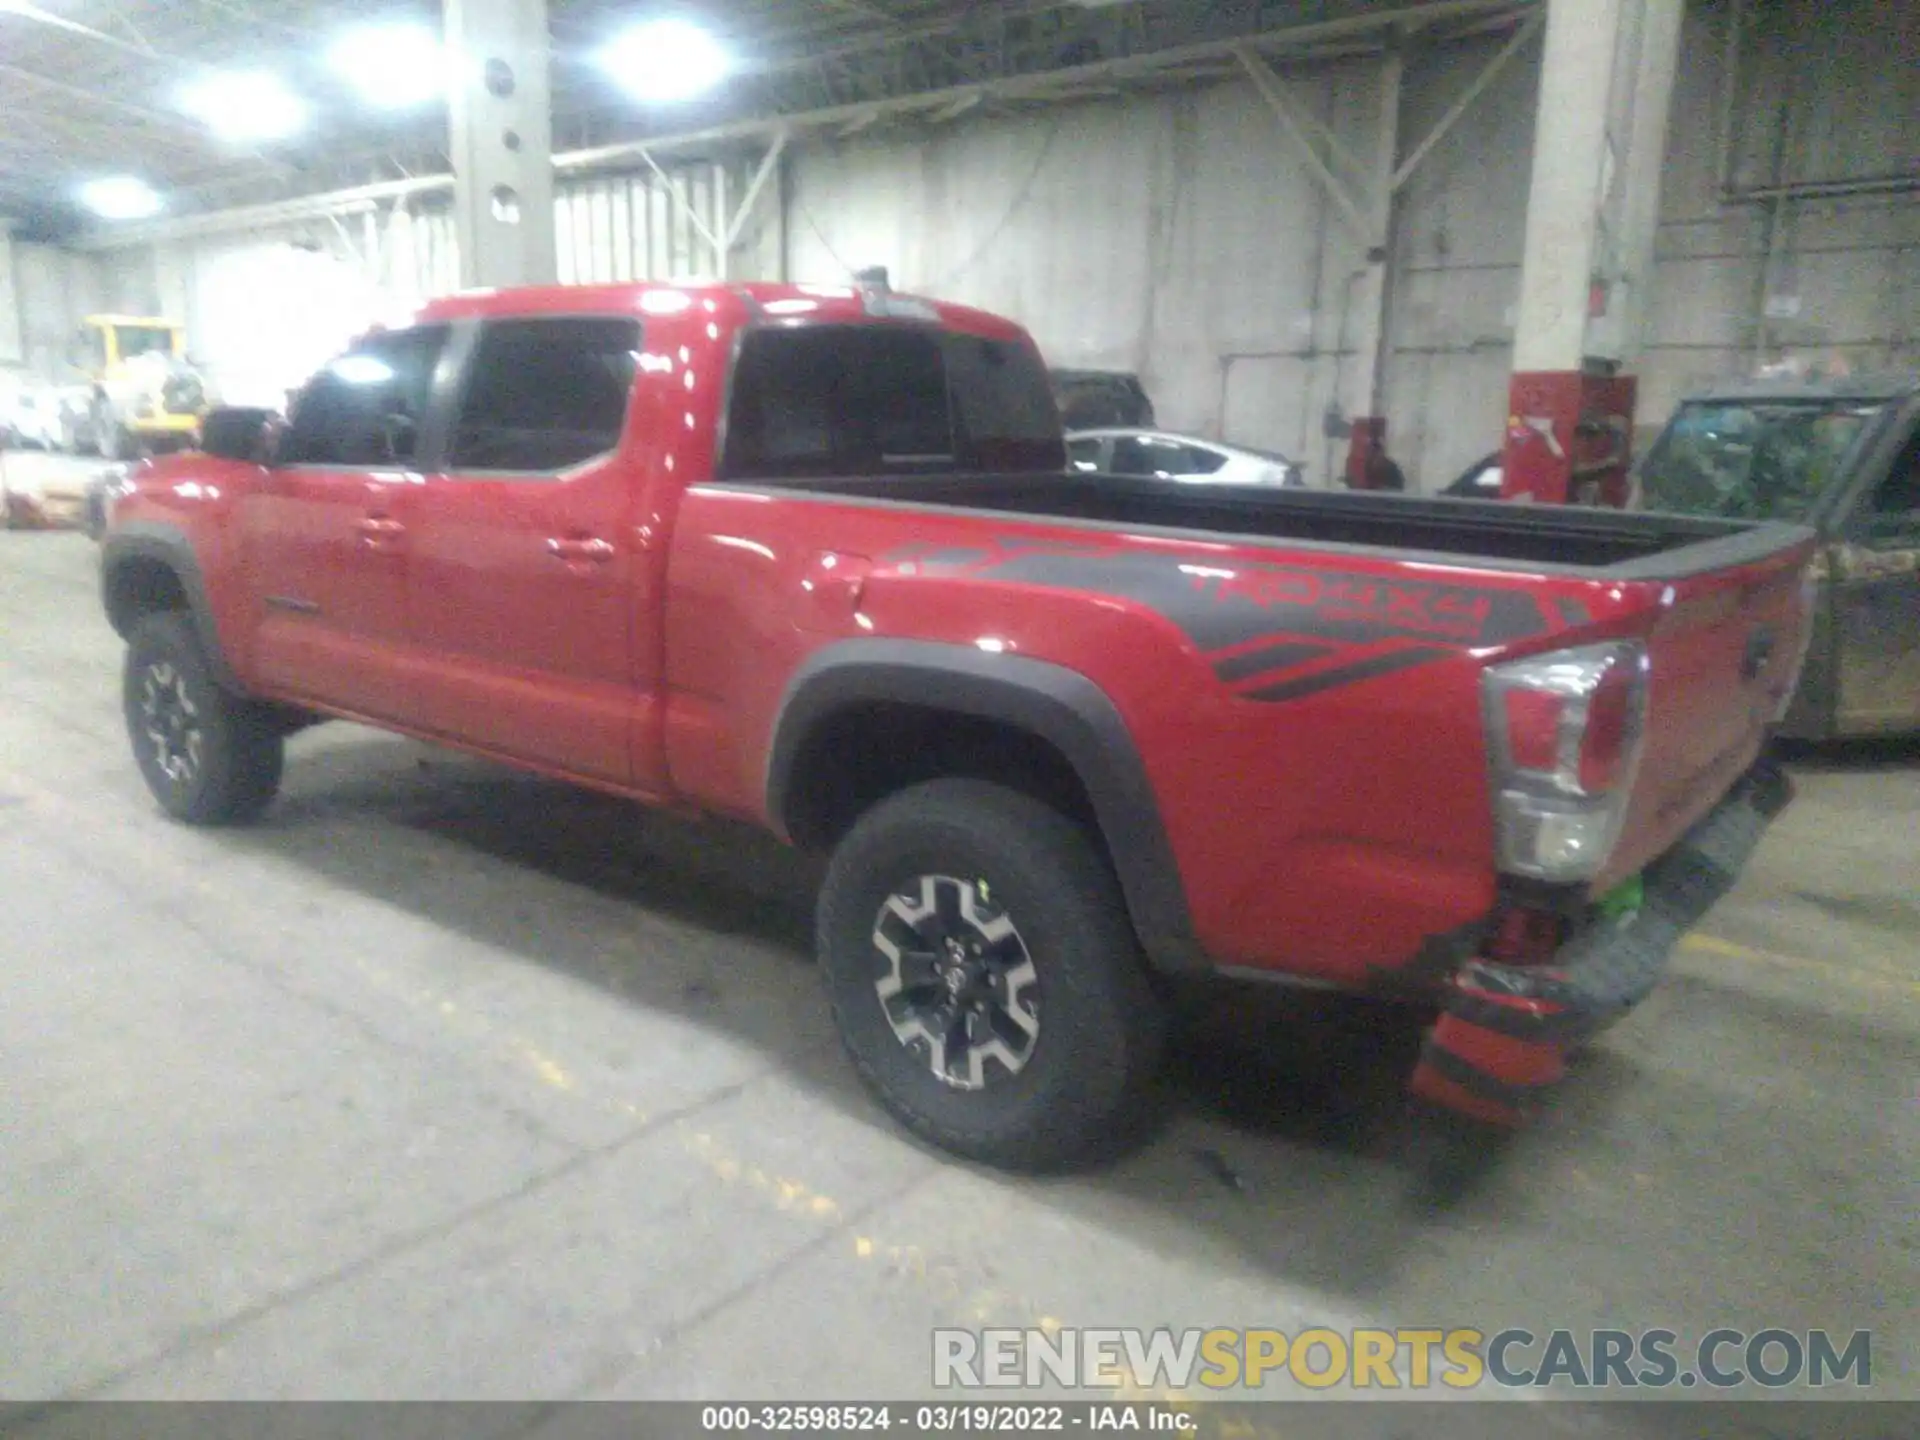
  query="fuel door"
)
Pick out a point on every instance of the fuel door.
point(832, 585)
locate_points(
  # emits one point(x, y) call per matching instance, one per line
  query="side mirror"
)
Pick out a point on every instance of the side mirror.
point(239, 432)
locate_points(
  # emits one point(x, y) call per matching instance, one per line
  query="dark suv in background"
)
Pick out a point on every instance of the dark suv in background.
point(1091, 399)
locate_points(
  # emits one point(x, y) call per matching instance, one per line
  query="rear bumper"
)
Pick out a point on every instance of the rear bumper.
point(1505, 1030)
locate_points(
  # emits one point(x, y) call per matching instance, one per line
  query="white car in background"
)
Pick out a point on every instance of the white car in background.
point(32, 418)
point(1158, 454)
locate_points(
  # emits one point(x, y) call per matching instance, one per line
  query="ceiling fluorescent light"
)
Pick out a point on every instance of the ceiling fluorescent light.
point(391, 67)
point(666, 60)
point(245, 106)
point(120, 197)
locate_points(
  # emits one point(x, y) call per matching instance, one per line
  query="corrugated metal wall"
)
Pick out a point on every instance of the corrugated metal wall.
point(265, 308)
point(641, 227)
point(608, 228)
point(52, 288)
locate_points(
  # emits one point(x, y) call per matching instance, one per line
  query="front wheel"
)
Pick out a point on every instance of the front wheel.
point(209, 757)
point(985, 977)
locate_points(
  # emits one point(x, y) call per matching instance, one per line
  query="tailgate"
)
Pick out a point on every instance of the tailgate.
point(1725, 653)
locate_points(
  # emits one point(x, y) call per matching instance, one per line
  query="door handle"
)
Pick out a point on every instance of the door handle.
point(377, 530)
point(599, 551)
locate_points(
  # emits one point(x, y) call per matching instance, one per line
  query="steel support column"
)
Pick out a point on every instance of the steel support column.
point(1640, 176)
point(12, 348)
point(1365, 396)
point(1606, 77)
point(502, 141)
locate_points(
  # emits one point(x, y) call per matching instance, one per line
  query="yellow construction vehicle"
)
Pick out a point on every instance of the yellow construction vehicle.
point(140, 393)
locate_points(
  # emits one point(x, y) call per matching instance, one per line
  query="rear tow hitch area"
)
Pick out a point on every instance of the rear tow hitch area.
point(1506, 1029)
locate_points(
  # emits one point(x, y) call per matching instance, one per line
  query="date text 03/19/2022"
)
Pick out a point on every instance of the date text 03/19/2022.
point(963, 1418)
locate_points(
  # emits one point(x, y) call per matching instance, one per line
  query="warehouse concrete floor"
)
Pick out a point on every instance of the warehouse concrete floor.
point(447, 1082)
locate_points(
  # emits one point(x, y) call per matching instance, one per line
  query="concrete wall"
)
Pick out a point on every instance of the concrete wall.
point(1165, 235)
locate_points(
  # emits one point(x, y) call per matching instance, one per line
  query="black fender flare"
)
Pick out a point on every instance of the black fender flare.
point(149, 540)
point(1055, 704)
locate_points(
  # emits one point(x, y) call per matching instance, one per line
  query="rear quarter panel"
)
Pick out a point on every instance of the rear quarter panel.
point(1310, 723)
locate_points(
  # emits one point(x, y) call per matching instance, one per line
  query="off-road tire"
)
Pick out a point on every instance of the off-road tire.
point(1101, 1025)
point(241, 750)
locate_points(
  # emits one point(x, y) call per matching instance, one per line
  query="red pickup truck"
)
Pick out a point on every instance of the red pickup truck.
point(812, 557)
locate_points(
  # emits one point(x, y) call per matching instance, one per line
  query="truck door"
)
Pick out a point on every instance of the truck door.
point(1877, 603)
point(324, 533)
point(522, 555)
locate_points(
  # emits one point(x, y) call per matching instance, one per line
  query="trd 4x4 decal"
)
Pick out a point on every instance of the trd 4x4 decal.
point(1258, 622)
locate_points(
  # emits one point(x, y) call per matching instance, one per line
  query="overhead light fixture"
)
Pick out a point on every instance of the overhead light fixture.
point(391, 67)
point(245, 106)
point(120, 197)
point(662, 61)
point(362, 370)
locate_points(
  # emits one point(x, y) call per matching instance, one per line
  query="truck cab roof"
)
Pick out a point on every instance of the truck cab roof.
point(1880, 385)
point(737, 303)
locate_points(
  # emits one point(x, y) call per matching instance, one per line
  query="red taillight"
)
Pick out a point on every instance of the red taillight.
point(1564, 735)
point(1533, 727)
point(1610, 725)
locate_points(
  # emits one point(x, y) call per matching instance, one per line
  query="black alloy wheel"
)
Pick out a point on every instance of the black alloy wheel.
point(209, 756)
point(985, 977)
point(959, 987)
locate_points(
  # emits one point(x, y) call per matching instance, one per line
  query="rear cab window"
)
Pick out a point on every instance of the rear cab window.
point(879, 399)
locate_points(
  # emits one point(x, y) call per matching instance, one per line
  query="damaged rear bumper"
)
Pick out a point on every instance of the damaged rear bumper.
point(1505, 1030)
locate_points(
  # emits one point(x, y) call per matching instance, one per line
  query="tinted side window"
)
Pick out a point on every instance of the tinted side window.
point(878, 399)
point(1202, 461)
point(1899, 494)
point(1130, 456)
point(837, 399)
point(1133, 455)
point(365, 408)
point(545, 394)
point(1085, 454)
point(1894, 514)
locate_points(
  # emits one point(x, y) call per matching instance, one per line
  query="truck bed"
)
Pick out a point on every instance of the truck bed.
point(1618, 544)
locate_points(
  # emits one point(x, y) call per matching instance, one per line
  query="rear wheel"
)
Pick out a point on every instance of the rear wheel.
point(985, 977)
point(209, 757)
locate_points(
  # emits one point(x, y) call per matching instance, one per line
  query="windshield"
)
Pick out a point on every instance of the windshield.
point(1752, 460)
point(141, 339)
